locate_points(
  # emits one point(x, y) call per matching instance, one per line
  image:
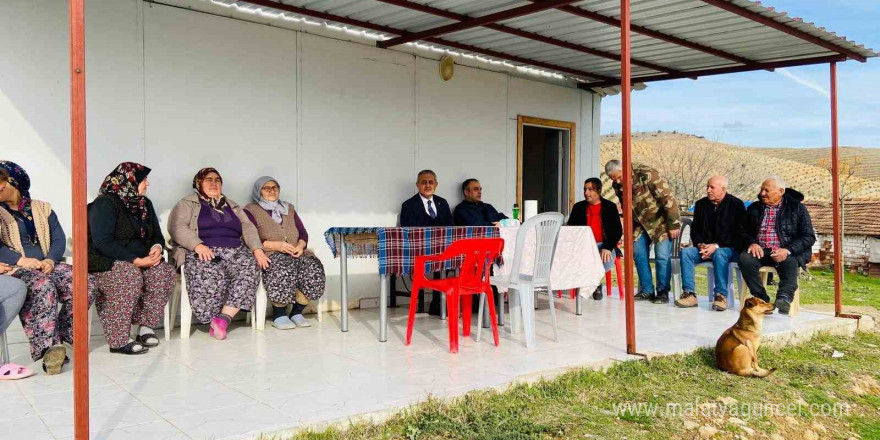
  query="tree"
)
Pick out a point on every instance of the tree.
point(688, 169)
point(848, 170)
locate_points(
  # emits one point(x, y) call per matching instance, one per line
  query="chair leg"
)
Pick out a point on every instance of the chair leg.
point(608, 282)
point(466, 314)
point(743, 293)
point(4, 355)
point(795, 304)
point(710, 275)
point(493, 318)
point(482, 300)
point(259, 313)
point(185, 308)
point(452, 307)
point(619, 277)
point(528, 314)
point(553, 319)
point(411, 319)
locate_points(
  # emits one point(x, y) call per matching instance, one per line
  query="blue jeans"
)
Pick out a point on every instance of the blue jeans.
point(721, 258)
point(610, 264)
point(642, 254)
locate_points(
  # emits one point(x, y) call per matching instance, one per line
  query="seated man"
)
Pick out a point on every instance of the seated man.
point(602, 217)
point(425, 208)
point(715, 238)
point(472, 211)
point(779, 233)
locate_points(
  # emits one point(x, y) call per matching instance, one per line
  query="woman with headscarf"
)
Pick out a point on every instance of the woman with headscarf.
point(295, 275)
point(221, 250)
point(125, 260)
point(31, 240)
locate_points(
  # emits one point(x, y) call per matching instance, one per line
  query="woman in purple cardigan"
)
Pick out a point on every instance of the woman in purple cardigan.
point(221, 249)
point(295, 275)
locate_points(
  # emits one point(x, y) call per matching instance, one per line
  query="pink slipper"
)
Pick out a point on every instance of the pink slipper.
point(14, 372)
point(218, 328)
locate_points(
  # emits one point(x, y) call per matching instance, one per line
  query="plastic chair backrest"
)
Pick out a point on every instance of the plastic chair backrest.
point(686, 223)
point(479, 253)
point(546, 228)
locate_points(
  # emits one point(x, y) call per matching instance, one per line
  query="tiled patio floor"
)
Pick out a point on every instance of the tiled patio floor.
point(274, 380)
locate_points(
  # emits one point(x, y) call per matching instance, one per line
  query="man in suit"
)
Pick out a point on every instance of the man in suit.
point(426, 208)
point(472, 211)
point(602, 218)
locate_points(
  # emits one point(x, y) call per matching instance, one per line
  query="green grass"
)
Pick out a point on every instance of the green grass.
point(581, 404)
point(858, 290)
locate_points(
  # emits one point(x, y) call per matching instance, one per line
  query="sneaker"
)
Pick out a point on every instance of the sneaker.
point(687, 299)
point(660, 298)
point(283, 323)
point(783, 305)
point(300, 321)
point(642, 296)
point(719, 303)
point(597, 294)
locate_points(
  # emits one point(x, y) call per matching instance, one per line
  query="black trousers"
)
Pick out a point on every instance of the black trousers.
point(787, 269)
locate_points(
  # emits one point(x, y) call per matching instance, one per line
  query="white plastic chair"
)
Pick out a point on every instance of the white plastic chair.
point(181, 301)
point(4, 355)
point(546, 227)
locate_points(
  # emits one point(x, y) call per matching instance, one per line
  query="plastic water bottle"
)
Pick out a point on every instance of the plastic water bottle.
point(515, 211)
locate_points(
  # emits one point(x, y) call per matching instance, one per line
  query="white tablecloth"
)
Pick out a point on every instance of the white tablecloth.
point(576, 263)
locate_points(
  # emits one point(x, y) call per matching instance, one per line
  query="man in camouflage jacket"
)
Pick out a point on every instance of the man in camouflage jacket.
point(655, 220)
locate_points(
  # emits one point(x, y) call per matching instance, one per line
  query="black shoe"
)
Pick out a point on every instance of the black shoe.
point(783, 305)
point(660, 298)
point(642, 296)
point(597, 294)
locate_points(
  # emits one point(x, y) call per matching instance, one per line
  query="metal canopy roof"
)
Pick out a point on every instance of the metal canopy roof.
point(580, 39)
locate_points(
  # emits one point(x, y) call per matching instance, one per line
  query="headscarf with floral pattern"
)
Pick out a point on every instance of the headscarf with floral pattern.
point(20, 180)
point(216, 204)
point(123, 182)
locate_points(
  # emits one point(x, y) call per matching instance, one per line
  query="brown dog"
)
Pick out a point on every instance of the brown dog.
point(736, 351)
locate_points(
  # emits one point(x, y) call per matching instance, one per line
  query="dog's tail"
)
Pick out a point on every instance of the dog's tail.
point(762, 373)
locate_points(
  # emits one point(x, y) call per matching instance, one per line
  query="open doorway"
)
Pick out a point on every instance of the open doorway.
point(545, 163)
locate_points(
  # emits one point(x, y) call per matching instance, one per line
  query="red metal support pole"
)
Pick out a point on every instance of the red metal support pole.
point(835, 197)
point(626, 139)
point(78, 187)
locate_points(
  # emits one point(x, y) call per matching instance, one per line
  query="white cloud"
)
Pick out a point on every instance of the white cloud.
point(804, 82)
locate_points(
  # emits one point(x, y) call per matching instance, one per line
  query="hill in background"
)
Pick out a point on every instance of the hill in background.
point(688, 160)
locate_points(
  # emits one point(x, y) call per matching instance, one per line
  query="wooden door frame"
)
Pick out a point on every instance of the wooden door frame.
point(522, 121)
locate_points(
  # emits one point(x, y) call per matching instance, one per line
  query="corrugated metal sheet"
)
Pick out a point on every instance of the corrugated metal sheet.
point(692, 20)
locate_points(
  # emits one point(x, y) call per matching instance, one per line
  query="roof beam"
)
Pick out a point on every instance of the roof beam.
point(472, 22)
point(394, 31)
point(721, 71)
point(611, 21)
point(525, 34)
point(767, 21)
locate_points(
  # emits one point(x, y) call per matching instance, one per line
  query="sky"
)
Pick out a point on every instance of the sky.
point(786, 108)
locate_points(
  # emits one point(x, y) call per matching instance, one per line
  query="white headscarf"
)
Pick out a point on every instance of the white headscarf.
point(278, 207)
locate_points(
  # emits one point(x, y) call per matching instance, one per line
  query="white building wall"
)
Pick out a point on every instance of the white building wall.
point(856, 248)
point(344, 126)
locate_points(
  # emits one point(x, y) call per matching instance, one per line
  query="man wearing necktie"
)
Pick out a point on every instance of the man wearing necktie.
point(426, 209)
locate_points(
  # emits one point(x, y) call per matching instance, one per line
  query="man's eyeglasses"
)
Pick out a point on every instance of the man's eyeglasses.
point(427, 182)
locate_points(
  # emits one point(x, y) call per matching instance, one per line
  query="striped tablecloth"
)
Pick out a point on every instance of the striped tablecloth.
point(397, 247)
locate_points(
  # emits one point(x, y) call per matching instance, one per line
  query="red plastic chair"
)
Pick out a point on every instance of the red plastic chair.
point(573, 292)
point(473, 278)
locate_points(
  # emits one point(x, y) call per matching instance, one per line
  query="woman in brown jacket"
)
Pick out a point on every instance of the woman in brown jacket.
point(220, 251)
point(295, 275)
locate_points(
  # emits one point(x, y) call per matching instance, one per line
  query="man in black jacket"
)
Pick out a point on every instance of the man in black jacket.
point(602, 217)
point(472, 211)
point(425, 208)
point(779, 233)
point(715, 237)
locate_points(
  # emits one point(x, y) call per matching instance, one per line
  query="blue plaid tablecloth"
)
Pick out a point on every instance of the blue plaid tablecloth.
point(397, 247)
